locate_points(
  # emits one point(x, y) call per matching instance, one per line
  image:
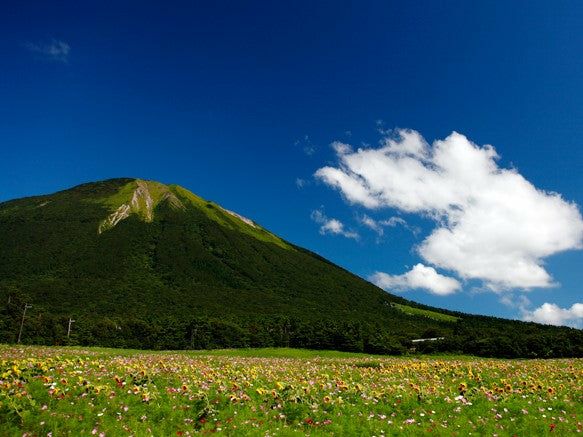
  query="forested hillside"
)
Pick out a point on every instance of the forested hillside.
point(142, 264)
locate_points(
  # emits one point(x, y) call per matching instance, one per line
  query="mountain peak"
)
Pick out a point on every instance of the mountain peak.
point(125, 197)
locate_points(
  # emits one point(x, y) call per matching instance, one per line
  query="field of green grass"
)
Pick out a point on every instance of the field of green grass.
point(108, 392)
point(277, 352)
point(425, 313)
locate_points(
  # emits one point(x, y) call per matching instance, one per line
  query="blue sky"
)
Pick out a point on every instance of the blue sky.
point(238, 102)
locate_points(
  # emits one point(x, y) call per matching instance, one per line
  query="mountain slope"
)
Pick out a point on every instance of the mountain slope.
point(141, 263)
point(166, 251)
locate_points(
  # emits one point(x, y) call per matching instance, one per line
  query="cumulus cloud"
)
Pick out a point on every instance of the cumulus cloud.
point(491, 223)
point(332, 225)
point(552, 314)
point(419, 277)
point(55, 50)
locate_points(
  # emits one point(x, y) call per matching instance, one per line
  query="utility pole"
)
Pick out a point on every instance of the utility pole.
point(71, 321)
point(26, 306)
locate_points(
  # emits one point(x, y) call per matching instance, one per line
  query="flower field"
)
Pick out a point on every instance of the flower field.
point(47, 391)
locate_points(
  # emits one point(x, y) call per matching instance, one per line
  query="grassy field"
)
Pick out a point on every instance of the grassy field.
point(107, 392)
point(425, 313)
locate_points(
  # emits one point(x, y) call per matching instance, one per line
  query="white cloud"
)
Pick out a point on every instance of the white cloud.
point(419, 277)
point(521, 302)
point(552, 314)
point(372, 224)
point(491, 223)
point(300, 183)
point(332, 225)
point(394, 221)
point(55, 50)
point(341, 148)
point(378, 225)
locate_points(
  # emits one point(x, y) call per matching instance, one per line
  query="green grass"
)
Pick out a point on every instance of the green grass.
point(278, 353)
point(425, 313)
point(269, 352)
point(285, 352)
point(219, 215)
point(111, 392)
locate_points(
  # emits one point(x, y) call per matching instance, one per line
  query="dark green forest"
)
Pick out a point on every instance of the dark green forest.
point(187, 274)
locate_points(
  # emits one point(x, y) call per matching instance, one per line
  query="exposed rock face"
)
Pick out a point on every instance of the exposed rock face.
point(142, 200)
point(240, 217)
point(145, 197)
point(114, 218)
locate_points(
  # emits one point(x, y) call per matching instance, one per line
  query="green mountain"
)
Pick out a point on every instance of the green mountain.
point(138, 263)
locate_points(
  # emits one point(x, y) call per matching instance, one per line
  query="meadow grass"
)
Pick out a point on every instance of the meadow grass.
point(279, 352)
point(412, 311)
point(108, 392)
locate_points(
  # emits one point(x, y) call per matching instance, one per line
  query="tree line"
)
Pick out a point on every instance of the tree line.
point(481, 336)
